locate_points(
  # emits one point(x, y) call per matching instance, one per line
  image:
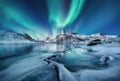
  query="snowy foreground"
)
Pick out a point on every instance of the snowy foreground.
point(60, 62)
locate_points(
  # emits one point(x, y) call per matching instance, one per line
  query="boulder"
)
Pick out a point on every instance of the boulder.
point(94, 42)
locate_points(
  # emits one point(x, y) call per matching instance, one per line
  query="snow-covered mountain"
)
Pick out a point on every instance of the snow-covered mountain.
point(73, 37)
point(10, 37)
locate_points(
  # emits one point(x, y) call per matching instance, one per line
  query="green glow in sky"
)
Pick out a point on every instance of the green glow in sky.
point(75, 8)
point(56, 13)
point(27, 24)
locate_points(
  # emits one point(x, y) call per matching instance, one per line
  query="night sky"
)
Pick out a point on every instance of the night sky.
point(41, 18)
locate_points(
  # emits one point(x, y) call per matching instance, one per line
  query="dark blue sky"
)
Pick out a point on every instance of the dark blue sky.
point(44, 17)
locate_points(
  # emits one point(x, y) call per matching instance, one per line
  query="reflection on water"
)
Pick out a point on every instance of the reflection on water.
point(27, 62)
point(7, 51)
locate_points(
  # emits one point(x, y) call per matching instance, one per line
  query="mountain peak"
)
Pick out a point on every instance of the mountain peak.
point(74, 37)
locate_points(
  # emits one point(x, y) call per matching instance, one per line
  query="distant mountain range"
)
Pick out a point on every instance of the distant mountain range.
point(11, 37)
point(73, 37)
point(8, 36)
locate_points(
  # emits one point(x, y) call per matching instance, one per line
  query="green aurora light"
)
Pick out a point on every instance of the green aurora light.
point(56, 14)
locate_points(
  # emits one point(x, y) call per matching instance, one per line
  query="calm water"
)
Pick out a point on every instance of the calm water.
point(27, 62)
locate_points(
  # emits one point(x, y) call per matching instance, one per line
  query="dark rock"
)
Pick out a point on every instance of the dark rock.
point(105, 60)
point(94, 42)
point(28, 37)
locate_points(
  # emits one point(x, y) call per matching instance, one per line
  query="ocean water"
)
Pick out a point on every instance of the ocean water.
point(59, 62)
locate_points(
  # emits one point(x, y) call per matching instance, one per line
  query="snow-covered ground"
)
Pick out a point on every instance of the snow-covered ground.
point(60, 62)
point(63, 57)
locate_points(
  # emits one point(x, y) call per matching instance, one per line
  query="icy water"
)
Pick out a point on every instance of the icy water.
point(59, 62)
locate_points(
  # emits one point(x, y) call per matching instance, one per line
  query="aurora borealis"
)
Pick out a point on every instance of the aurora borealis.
point(41, 18)
point(57, 16)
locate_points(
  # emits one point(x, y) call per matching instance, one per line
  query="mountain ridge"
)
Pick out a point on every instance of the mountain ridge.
point(9, 36)
point(74, 37)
